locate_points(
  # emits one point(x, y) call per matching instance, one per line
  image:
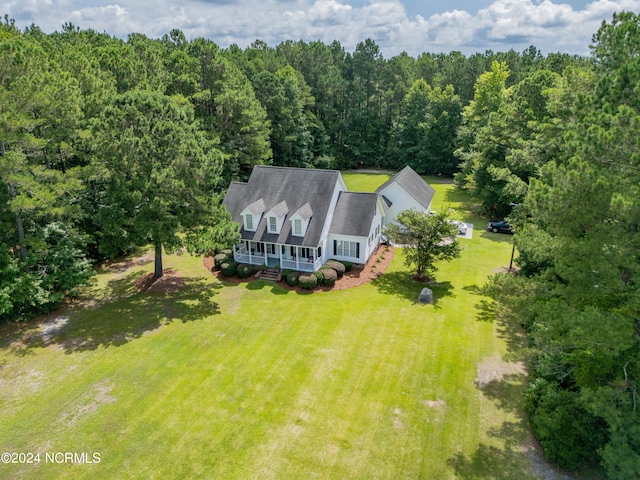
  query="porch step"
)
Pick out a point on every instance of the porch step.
point(269, 274)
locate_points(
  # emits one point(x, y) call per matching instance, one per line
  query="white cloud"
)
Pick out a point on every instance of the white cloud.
point(384, 13)
point(504, 24)
point(329, 12)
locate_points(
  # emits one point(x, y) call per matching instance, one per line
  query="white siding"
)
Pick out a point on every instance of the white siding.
point(362, 249)
point(375, 231)
point(327, 246)
point(401, 200)
point(368, 245)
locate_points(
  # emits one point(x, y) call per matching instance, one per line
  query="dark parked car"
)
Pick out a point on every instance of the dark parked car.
point(500, 226)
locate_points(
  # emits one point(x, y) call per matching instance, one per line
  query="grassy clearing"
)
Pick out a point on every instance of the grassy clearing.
point(254, 381)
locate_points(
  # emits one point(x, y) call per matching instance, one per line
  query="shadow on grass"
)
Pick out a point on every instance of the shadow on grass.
point(276, 289)
point(506, 461)
point(497, 237)
point(438, 179)
point(490, 462)
point(400, 284)
point(505, 458)
point(486, 311)
point(458, 195)
point(508, 329)
point(122, 312)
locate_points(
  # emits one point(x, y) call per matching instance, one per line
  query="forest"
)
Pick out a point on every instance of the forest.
point(108, 144)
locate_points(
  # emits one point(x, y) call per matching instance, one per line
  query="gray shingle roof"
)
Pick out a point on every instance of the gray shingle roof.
point(305, 211)
point(280, 209)
point(354, 213)
point(413, 184)
point(294, 186)
point(257, 207)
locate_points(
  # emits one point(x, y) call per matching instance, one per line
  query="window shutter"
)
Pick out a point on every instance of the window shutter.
point(335, 247)
point(358, 250)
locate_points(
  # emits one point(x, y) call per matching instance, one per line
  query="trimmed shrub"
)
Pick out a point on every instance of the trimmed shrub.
point(244, 270)
point(319, 277)
point(308, 281)
point(228, 269)
point(347, 266)
point(293, 278)
point(337, 266)
point(286, 272)
point(219, 259)
point(329, 277)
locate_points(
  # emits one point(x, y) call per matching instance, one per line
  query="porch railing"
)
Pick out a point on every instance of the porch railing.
point(242, 256)
point(303, 264)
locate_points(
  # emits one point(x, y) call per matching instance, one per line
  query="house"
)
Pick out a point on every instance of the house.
point(406, 190)
point(299, 218)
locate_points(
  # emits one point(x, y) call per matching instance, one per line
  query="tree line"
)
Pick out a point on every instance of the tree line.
point(106, 145)
point(559, 154)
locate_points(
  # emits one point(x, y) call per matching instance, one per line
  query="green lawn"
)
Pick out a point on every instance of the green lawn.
point(254, 381)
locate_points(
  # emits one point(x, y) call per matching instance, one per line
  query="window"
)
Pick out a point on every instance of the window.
point(248, 221)
point(273, 227)
point(297, 227)
point(345, 248)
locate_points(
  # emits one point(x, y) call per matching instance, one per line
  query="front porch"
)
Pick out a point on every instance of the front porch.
point(290, 257)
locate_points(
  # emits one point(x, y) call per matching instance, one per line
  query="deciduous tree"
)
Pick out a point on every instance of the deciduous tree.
point(426, 239)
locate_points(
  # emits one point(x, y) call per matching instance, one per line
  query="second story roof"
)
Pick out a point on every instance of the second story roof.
point(303, 190)
point(413, 184)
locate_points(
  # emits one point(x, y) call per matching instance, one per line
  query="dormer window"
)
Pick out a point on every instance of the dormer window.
point(300, 220)
point(275, 217)
point(252, 215)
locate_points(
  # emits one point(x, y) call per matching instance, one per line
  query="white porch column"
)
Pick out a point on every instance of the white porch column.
point(298, 258)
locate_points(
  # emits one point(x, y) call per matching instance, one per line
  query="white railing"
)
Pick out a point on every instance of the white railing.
point(241, 255)
point(303, 265)
point(254, 259)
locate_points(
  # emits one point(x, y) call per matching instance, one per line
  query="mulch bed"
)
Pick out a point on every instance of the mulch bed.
point(171, 281)
point(376, 266)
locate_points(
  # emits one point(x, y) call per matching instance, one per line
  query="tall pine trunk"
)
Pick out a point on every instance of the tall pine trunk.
point(158, 263)
point(20, 227)
point(21, 240)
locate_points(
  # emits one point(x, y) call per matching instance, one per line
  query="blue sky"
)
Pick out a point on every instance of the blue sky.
point(395, 25)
